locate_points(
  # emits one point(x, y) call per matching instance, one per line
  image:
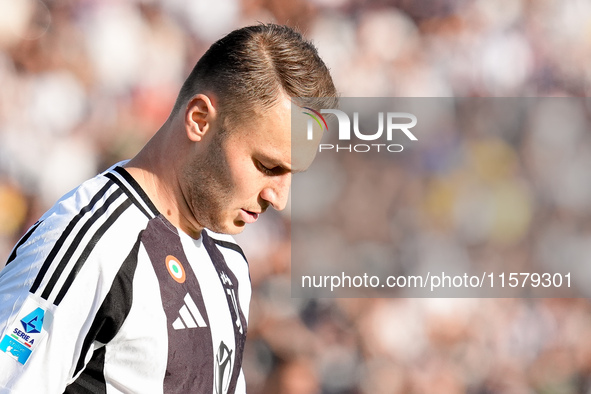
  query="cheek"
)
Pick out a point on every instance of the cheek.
point(245, 178)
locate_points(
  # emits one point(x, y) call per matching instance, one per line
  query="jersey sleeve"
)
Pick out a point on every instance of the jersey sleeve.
point(53, 294)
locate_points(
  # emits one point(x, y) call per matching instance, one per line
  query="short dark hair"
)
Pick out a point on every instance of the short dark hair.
point(254, 64)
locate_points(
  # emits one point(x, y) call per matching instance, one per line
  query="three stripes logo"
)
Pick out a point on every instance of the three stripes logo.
point(189, 315)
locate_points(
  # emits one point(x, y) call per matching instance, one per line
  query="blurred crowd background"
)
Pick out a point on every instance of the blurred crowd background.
point(84, 84)
point(492, 185)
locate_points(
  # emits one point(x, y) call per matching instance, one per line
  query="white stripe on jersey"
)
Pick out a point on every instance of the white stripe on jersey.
point(217, 311)
point(134, 356)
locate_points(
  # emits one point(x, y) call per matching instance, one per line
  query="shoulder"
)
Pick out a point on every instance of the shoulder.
point(93, 211)
point(88, 233)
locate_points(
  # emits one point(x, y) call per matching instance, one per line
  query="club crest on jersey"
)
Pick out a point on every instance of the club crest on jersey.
point(223, 368)
point(25, 331)
point(175, 269)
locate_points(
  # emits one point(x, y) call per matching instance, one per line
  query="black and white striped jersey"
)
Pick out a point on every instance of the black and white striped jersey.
point(104, 295)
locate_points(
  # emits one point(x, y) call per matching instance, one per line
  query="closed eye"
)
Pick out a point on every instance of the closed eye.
point(275, 171)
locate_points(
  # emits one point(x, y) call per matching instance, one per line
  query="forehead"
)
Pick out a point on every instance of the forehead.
point(275, 134)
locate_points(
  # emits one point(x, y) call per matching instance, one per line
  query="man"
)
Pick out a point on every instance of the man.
point(119, 287)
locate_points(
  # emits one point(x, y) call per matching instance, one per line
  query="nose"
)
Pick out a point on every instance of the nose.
point(276, 192)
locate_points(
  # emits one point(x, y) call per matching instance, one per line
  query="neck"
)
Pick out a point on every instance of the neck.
point(156, 168)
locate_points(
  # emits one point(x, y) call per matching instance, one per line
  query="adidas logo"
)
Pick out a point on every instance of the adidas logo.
point(190, 317)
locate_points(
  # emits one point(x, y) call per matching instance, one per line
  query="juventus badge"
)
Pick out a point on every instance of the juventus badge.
point(223, 368)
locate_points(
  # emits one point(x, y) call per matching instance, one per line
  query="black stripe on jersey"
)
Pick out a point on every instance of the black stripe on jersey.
point(130, 186)
point(138, 189)
point(88, 249)
point(190, 350)
point(75, 243)
point(93, 381)
point(230, 245)
point(106, 324)
point(129, 194)
point(22, 241)
point(62, 239)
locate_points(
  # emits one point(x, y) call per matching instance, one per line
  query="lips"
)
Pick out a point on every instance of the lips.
point(249, 216)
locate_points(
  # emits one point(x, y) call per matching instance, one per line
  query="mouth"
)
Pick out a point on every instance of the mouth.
point(249, 216)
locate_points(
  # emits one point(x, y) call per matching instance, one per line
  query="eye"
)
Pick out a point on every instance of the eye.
point(275, 171)
point(266, 170)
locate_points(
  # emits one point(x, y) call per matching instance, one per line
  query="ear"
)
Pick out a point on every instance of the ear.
point(199, 115)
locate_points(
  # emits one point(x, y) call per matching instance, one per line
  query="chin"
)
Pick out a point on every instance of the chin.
point(232, 229)
point(236, 229)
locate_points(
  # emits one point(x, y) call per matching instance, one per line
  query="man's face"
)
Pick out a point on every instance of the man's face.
point(244, 172)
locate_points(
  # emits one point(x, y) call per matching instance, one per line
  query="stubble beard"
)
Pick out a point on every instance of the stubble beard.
point(209, 188)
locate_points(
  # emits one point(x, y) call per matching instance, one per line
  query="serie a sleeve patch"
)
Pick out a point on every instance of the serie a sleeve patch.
point(26, 330)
